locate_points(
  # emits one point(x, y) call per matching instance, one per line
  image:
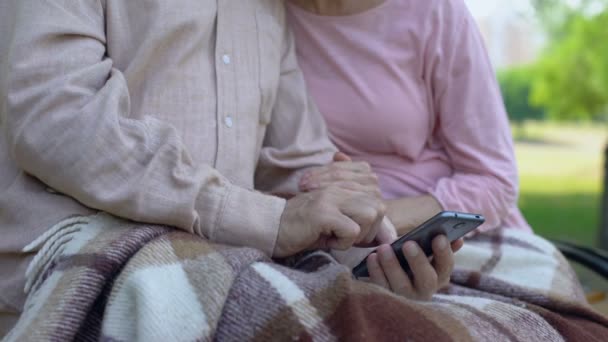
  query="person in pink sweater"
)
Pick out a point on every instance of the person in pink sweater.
point(407, 86)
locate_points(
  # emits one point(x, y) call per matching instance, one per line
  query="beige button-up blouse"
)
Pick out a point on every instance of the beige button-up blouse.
point(167, 112)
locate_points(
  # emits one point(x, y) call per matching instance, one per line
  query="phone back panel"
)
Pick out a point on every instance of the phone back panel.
point(453, 225)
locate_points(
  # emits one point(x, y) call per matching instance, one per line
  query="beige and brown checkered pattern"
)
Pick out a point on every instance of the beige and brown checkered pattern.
point(112, 280)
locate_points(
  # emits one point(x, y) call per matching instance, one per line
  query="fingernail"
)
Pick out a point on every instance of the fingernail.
point(411, 249)
point(442, 242)
point(386, 253)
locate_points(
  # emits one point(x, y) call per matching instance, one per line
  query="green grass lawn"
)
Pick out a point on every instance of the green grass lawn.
point(561, 178)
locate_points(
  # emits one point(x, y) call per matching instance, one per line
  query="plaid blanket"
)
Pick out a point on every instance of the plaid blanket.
point(101, 278)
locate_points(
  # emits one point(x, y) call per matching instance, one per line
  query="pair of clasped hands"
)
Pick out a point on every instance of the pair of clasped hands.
point(340, 207)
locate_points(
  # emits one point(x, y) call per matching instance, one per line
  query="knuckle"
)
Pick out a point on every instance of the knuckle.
point(381, 210)
point(354, 232)
point(371, 178)
point(376, 210)
point(364, 166)
point(369, 216)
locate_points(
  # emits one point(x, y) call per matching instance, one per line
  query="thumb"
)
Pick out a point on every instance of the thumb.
point(387, 233)
point(343, 232)
point(341, 157)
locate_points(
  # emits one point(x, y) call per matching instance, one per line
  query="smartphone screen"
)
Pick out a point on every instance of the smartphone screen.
point(453, 225)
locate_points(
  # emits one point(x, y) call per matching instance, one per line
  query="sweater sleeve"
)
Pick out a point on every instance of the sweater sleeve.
point(68, 125)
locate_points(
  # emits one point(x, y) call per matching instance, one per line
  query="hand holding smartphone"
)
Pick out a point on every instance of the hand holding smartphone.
point(453, 225)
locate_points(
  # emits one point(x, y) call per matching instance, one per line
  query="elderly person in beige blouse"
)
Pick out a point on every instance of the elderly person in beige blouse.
point(190, 114)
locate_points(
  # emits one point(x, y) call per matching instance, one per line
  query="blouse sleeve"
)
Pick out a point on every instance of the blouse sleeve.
point(471, 122)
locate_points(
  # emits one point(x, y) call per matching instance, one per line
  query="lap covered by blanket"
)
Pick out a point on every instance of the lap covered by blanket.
point(103, 278)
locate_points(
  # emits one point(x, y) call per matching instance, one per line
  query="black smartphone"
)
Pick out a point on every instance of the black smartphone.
point(452, 224)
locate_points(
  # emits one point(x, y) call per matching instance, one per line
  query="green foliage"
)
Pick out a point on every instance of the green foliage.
point(516, 84)
point(571, 78)
point(556, 15)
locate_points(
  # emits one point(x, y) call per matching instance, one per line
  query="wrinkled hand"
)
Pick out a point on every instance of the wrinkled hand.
point(342, 172)
point(332, 217)
point(352, 257)
point(427, 276)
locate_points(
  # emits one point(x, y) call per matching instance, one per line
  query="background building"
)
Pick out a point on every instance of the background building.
point(511, 33)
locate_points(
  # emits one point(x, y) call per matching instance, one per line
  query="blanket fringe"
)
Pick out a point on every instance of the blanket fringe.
point(51, 244)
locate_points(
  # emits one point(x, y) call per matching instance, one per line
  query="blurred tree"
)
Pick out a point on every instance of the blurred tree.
point(571, 80)
point(515, 85)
